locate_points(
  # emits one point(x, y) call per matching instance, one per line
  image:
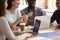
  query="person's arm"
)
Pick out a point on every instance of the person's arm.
point(39, 12)
point(5, 29)
point(42, 12)
point(16, 22)
point(24, 11)
point(19, 18)
point(52, 19)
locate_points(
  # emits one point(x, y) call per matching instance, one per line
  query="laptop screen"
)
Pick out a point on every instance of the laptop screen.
point(36, 27)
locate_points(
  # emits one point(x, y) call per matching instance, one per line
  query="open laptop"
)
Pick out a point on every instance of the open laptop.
point(36, 27)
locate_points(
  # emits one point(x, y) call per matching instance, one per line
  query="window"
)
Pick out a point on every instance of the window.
point(42, 3)
point(46, 4)
point(22, 4)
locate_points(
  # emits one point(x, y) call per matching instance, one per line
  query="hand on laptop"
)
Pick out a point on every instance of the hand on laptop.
point(29, 36)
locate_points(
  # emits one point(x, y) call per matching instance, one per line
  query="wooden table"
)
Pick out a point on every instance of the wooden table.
point(53, 37)
point(44, 28)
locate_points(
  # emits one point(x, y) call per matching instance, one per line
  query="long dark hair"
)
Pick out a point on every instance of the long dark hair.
point(10, 4)
point(2, 7)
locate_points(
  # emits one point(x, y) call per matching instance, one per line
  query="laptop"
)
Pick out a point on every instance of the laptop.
point(36, 28)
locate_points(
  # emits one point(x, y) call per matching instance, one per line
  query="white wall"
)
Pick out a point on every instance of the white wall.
point(21, 6)
point(52, 4)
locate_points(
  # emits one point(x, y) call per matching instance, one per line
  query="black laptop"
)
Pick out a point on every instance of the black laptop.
point(36, 27)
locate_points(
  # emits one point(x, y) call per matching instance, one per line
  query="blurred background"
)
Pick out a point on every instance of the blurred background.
point(47, 5)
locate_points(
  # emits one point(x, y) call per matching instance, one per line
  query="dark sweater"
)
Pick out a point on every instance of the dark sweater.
point(36, 12)
point(55, 16)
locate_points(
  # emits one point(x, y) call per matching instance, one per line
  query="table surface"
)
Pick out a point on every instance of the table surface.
point(55, 30)
point(55, 37)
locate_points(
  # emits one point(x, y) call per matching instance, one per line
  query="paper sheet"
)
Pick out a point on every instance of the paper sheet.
point(45, 31)
point(28, 27)
point(23, 36)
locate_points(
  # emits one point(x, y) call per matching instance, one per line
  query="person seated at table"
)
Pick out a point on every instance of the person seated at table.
point(13, 15)
point(35, 11)
point(56, 16)
point(5, 29)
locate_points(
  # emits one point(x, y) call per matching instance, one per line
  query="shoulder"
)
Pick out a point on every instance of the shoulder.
point(37, 8)
point(7, 13)
point(25, 9)
point(56, 11)
point(2, 19)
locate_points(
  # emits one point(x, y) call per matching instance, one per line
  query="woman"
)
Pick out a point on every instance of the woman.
point(4, 26)
point(13, 15)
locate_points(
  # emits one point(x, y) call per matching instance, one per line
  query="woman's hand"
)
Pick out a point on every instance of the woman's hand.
point(29, 36)
point(25, 18)
point(19, 33)
point(14, 27)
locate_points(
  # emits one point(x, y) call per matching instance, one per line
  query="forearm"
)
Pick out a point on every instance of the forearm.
point(19, 20)
point(52, 20)
point(16, 22)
